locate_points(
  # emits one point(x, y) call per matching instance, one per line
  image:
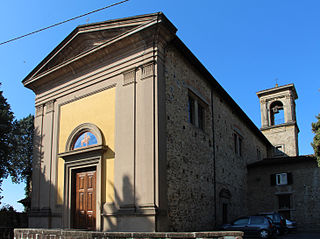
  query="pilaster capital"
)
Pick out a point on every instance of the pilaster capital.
point(49, 106)
point(263, 101)
point(147, 70)
point(39, 110)
point(129, 77)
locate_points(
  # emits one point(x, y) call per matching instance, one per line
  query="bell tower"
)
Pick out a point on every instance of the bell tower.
point(278, 119)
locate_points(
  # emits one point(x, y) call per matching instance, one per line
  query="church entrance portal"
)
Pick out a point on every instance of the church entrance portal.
point(84, 199)
point(82, 167)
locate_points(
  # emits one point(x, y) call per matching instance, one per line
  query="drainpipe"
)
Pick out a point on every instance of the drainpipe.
point(214, 162)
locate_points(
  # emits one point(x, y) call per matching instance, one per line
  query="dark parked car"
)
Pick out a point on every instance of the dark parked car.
point(278, 220)
point(291, 226)
point(252, 226)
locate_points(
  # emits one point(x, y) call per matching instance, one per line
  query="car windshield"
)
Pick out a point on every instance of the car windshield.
point(241, 221)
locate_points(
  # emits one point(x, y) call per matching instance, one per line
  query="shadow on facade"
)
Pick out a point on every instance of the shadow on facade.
point(43, 192)
point(123, 214)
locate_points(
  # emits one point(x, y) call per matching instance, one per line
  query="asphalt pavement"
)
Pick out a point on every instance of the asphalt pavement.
point(301, 235)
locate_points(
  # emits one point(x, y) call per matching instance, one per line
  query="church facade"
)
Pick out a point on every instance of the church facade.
point(132, 133)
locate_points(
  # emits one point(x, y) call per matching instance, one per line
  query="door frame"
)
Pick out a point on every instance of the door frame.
point(76, 159)
point(89, 158)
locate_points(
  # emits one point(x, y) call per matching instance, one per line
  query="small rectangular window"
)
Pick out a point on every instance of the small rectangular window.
point(196, 111)
point(240, 146)
point(281, 179)
point(235, 141)
point(284, 201)
point(191, 110)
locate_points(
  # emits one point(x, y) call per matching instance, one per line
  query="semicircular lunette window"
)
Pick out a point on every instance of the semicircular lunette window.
point(84, 140)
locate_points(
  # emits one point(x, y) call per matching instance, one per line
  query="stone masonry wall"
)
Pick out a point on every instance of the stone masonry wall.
point(285, 136)
point(190, 152)
point(190, 168)
point(231, 168)
point(304, 191)
point(68, 234)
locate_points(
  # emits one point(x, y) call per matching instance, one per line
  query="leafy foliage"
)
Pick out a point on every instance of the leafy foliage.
point(7, 208)
point(16, 147)
point(316, 139)
point(22, 155)
point(6, 123)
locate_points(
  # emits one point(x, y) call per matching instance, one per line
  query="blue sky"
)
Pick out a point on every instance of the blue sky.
point(245, 45)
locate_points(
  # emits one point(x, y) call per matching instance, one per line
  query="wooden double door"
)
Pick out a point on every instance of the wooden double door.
point(84, 199)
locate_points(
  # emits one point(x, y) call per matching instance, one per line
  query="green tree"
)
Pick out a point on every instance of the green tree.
point(316, 139)
point(16, 148)
point(6, 125)
point(22, 155)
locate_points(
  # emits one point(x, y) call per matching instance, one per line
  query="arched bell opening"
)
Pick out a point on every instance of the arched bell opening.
point(277, 113)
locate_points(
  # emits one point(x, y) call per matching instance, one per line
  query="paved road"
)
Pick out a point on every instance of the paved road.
point(301, 235)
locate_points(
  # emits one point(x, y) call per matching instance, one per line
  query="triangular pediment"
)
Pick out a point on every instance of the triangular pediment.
point(83, 42)
point(87, 38)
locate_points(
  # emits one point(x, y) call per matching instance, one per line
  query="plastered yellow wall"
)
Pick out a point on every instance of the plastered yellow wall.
point(97, 109)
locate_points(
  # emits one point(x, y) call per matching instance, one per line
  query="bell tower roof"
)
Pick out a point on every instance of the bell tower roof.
point(278, 89)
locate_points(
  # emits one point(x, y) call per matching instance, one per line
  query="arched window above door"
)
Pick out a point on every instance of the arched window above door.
point(84, 140)
point(84, 136)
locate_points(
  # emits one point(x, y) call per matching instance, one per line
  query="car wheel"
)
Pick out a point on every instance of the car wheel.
point(264, 234)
